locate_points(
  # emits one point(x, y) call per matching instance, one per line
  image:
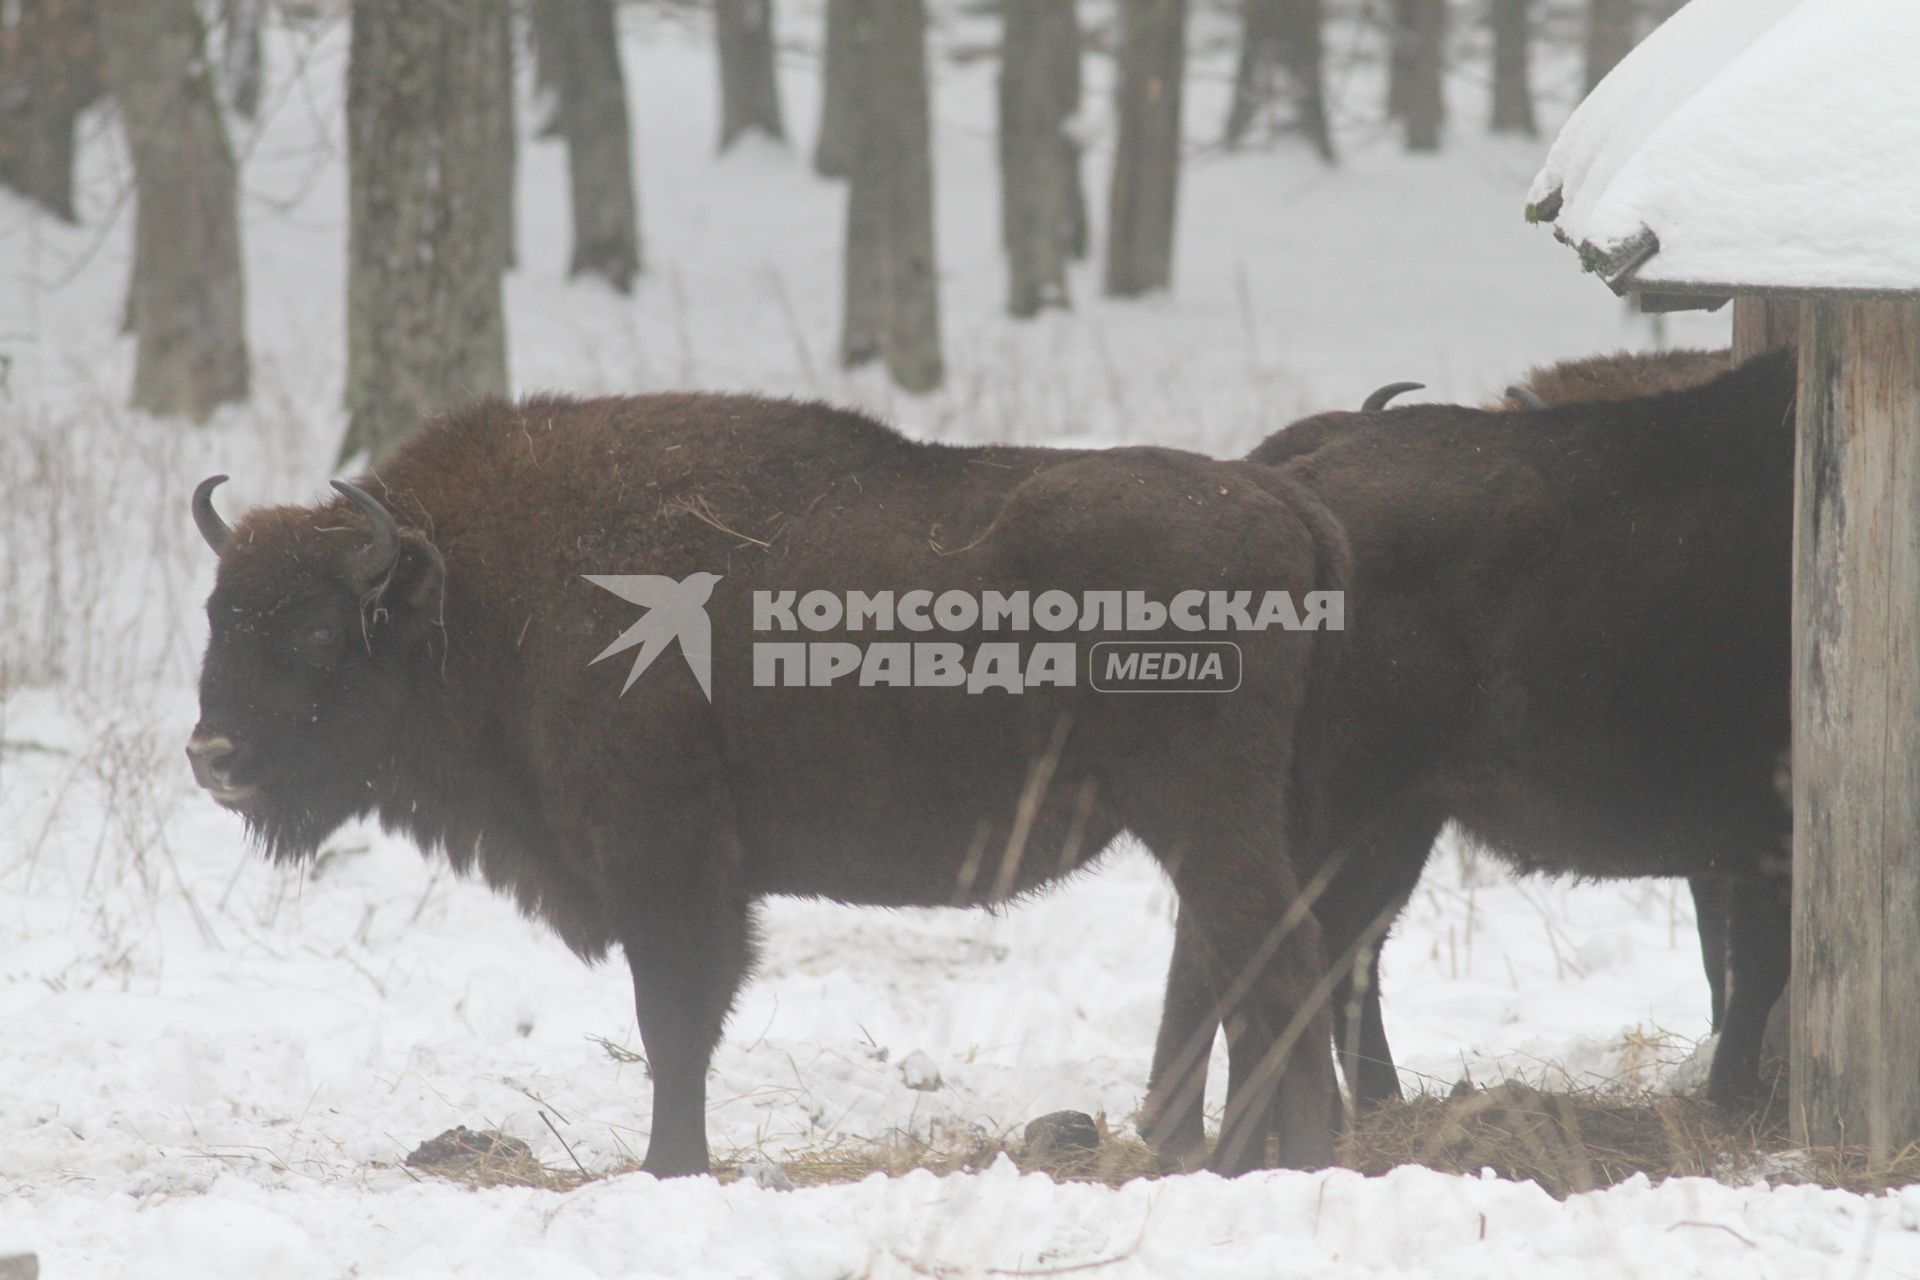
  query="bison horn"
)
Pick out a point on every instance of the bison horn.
point(377, 557)
point(211, 526)
point(1527, 397)
point(1378, 400)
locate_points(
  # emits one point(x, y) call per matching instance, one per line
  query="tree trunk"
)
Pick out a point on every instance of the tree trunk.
point(187, 299)
point(593, 119)
point(1856, 730)
point(1512, 88)
point(1281, 37)
point(890, 199)
point(1146, 162)
point(864, 273)
point(241, 54)
point(749, 89)
point(1425, 105)
point(1609, 36)
point(1039, 159)
point(1400, 20)
point(547, 29)
point(507, 147)
point(839, 95)
point(425, 248)
point(51, 72)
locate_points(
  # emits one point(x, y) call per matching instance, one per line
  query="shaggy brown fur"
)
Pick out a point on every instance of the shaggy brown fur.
point(1625, 375)
point(451, 689)
point(1568, 632)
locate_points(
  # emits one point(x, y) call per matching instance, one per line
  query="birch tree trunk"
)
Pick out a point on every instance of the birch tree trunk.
point(749, 88)
point(890, 200)
point(1146, 162)
point(186, 297)
point(1039, 159)
point(425, 245)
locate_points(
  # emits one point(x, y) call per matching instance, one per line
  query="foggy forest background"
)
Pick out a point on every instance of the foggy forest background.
point(431, 142)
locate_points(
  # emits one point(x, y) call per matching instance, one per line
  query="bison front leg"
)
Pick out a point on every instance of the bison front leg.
point(1172, 1119)
point(687, 966)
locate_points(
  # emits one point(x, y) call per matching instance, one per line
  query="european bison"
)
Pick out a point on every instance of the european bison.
point(1569, 633)
point(426, 648)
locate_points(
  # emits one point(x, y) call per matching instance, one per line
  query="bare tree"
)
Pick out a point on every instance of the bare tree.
point(425, 245)
point(1039, 158)
point(893, 288)
point(1512, 90)
point(749, 88)
point(1424, 108)
point(186, 296)
point(240, 52)
point(1281, 38)
point(50, 72)
point(593, 119)
point(839, 96)
point(506, 153)
point(1609, 36)
point(1146, 162)
point(1400, 23)
point(547, 31)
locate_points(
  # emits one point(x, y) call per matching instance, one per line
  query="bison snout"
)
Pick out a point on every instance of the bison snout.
point(213, 757)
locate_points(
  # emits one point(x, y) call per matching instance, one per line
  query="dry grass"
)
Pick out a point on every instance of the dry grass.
point(1567, 1142)
point(1570, 1142)
point(1119, 1158)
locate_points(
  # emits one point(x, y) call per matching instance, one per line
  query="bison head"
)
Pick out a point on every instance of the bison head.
point(317, 622)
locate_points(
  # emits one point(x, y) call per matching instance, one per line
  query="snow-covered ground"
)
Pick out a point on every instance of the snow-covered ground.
point(212, 1068)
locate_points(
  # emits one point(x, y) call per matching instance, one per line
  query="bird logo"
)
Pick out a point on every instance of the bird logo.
point(674, 611)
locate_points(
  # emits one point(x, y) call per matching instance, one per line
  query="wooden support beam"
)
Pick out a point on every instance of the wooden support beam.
point(1763, 323)
point(1856, 733)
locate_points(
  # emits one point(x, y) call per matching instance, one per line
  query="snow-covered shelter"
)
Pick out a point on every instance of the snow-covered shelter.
point(1769, 151)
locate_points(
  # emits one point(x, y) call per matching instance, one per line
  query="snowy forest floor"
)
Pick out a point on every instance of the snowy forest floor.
point(211, 1067)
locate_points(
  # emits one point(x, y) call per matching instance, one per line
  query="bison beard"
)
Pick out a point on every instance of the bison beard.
point(1571, 637)
point(424, 654)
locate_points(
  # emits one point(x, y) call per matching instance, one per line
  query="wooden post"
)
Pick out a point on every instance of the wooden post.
point(1856, 732)
point(1763, 323)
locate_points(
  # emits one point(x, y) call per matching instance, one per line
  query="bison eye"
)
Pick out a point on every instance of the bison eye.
point(322, 635)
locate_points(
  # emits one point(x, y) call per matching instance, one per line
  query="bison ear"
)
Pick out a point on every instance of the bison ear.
point(416, 589)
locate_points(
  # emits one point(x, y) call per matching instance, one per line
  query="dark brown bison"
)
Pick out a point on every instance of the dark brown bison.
point(425, 648)
point(1570, 635)
point(1629, 375)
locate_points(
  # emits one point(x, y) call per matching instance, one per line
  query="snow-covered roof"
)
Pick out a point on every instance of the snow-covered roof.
point(1750, 144)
